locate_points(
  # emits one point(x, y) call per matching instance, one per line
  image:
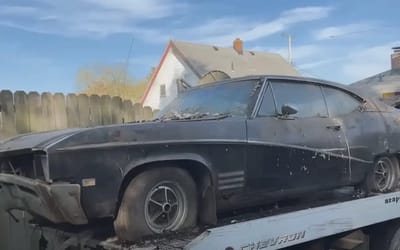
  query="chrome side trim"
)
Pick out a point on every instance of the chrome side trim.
point(238, 185)
point(231, 174)
point(231, 180)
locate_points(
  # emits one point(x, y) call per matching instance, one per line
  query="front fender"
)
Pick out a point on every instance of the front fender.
point(137, 163)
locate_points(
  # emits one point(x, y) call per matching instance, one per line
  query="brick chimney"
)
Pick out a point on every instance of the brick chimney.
point(238, 46)
point(396, 58)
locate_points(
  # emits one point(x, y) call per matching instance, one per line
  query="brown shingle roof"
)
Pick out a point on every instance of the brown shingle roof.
point(205, 58)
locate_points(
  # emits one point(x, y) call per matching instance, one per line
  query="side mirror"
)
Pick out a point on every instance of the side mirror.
point(288, 109)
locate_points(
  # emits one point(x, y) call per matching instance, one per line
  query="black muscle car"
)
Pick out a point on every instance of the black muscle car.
point(220, 146)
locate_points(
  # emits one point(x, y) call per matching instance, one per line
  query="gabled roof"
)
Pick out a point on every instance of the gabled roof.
point(375, 86)
point(205, 58)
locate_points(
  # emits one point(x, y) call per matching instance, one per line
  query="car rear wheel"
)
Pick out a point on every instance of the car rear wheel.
point(156, 201)
point(384, 176)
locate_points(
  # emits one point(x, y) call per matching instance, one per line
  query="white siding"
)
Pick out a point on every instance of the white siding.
point(171, 70)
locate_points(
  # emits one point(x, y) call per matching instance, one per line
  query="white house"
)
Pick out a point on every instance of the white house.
point(191, 62)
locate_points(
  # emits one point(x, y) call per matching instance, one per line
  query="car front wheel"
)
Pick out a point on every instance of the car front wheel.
point(156, 201)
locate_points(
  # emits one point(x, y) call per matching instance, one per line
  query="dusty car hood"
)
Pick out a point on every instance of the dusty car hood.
point(114, 135)
point(34, 141)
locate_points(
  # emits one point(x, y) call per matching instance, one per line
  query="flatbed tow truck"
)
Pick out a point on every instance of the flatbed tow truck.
point(333, 223)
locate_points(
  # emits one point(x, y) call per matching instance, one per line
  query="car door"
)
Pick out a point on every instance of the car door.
point(363, 126)
point(306, 150)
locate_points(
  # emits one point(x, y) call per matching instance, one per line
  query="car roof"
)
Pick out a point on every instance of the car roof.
point(291, 78)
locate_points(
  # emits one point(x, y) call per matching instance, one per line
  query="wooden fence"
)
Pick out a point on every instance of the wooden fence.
point(22, 112)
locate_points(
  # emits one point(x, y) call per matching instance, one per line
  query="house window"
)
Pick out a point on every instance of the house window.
point(163, 90)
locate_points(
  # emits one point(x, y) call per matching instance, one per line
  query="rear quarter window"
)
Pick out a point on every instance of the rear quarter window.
point(339, 102)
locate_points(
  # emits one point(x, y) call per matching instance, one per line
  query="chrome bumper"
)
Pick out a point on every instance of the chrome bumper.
point(57, 202)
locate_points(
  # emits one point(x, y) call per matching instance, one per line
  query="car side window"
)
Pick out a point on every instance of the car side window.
point(267, 107)
point(306, 98)
point(339, 102)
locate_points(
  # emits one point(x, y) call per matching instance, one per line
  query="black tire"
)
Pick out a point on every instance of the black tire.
point(384, 176)
point(385, 236)
point(168, 192)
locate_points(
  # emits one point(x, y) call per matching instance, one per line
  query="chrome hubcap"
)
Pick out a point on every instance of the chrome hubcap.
point(384, 174)
point(164, 208)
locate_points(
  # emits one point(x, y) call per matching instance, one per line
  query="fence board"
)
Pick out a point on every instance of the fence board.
point(147, 113)
point(138, 111)
point(48, 111)
point(21, 112)
point(35, 112)
point(84, 111)
point(7, 115)
point(127, 110)
point(72, 108)
point(95, 110)
point(155, 113)
point(106, 110)
point(116, 110)
point(60, 113)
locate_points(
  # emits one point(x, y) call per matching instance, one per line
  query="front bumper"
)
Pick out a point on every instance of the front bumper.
point(57, 202)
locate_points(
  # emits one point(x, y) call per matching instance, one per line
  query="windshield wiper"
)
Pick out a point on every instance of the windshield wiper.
point(218, 116)
point(194, 116)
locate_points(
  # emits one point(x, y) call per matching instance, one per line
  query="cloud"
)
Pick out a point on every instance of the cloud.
point(88, 18)
point(344, 30)
point(251, 31)
point(368, 61)
point(17, 10)
point(148, 9)
point(319, 63)
point(300, 53)
point(345, 64)
point(99, 18)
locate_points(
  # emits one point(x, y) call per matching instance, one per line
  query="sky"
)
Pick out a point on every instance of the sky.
point(43, 43)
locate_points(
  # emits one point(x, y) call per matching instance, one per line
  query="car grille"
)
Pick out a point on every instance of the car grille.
point(26, 165)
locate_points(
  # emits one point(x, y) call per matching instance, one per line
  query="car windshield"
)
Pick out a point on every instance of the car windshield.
point(225, 99)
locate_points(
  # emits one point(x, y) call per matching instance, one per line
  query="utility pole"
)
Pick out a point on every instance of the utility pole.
point(290, 59)
point(127, 61)
point(290, 53)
